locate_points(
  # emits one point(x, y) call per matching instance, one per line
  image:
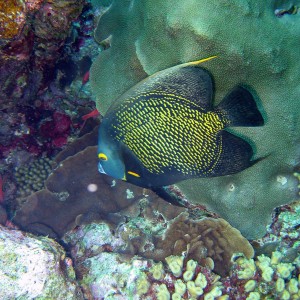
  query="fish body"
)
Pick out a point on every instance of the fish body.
point(165, 129)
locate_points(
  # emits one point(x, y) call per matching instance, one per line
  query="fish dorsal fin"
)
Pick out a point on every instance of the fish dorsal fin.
point(187, 80)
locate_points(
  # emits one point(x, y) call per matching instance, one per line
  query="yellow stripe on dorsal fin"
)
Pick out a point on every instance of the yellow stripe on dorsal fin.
point(197, 62)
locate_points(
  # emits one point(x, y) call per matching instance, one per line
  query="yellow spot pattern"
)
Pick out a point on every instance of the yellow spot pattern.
point(169, 132)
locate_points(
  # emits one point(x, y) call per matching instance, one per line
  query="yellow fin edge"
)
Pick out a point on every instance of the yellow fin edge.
point(197, 62)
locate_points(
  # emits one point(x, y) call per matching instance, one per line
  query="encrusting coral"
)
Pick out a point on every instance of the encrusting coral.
point(75, 193)
point(257, 48)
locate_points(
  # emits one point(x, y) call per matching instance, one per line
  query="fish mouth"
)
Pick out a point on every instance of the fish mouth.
point(100, 169)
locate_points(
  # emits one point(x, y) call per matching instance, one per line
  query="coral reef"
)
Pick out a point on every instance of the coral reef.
point(267, 277)
point(210, 242)
point(34, 268)
point(43, 97)
point(101, 262)
point(257, 48)
point(150, 231)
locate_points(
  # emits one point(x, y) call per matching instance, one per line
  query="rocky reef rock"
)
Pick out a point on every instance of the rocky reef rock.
point(257, 45)
point(34, 268)
point(32, 35)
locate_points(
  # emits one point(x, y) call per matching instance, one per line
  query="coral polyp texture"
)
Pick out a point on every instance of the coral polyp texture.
point(258, 48)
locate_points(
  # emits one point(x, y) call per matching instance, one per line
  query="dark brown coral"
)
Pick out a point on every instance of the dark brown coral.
point(69, 199)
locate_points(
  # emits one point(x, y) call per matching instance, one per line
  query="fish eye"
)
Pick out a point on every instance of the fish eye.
point(102, 156)
point(133, 174)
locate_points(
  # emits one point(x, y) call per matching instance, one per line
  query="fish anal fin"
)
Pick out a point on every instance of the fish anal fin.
point(235, 156)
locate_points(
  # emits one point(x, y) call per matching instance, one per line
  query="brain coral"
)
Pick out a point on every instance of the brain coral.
point(257, 44)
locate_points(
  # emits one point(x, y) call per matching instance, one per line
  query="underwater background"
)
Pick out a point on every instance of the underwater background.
point(70, 232)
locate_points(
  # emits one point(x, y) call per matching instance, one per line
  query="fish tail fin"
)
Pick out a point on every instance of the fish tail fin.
point(240, 108)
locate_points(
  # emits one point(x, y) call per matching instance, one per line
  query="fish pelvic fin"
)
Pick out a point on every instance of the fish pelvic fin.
point(240, 108)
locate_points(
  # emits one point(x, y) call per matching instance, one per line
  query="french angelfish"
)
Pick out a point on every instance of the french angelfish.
point(165, 129)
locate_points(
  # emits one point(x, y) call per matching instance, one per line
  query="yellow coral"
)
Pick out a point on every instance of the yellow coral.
point(12, 18)
point(248, 268)
point(175, 264)
point(201, 281)
point(263, 261)
point(194, 290)
point(284, 269)
point(279, 285)
point(267, 274)
point(191, 265)
point(245, 274)
point(176, 296)
point(180, 287)
point(276, 257)
point(285, 295)
point(142, 285)
point(224, 297)
point(188, 275)
point(157, 271)
point(293, 286)
point(163, 293)
point(250, 285)
point(214, 293)
point(253, 296)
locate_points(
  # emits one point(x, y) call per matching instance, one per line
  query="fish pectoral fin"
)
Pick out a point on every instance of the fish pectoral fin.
point(235, 155)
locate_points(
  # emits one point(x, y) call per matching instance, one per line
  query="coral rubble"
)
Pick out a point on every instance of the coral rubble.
point(32, 267)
